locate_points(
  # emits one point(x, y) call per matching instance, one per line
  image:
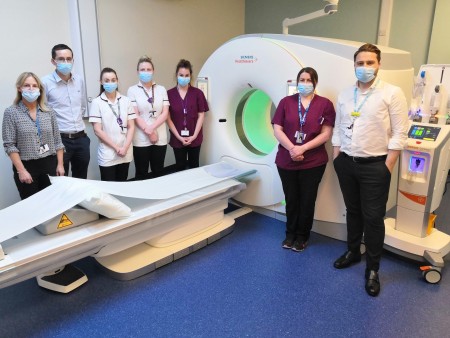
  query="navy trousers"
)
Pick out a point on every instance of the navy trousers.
point(77, 156)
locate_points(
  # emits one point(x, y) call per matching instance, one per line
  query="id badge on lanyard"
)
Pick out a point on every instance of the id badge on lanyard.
point(43, 148)
point(185, 131)
point(357, 109)
point(300, 135)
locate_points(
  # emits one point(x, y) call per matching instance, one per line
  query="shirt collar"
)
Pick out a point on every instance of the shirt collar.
point(58, 79)
point(23, 107)
point(375, 83)
point(104, 98)
point(140, 85)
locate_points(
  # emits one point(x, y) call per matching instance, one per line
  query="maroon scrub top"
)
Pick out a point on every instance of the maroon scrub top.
point(321, 112)
point(194, 102)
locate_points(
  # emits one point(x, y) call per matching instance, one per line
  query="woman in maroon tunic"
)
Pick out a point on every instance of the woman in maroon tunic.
point(186, 114)
point(302, 124)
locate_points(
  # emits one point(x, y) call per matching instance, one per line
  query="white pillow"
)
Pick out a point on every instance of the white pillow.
point(106, 205)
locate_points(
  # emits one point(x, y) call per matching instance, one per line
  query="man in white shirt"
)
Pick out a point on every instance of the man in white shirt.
point(370, 132)
point(66, 95)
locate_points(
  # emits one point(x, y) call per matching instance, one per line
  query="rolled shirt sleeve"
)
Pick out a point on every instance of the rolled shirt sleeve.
point(398, 112)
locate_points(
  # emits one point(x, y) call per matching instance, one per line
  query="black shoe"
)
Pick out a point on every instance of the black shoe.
point(287, 243)
point(347, 259)
point(299, 245)
point(372, 283)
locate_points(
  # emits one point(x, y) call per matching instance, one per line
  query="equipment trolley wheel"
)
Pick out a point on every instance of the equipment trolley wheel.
point(431, 274)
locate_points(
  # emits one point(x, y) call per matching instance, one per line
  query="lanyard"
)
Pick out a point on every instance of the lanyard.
point(118, 119)
point(150, 99)
point(37, 123)
point(356, 112)
point(302, 118)
point(184, 105)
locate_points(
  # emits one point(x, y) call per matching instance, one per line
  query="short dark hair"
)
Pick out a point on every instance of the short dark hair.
point(368, 47)
point(312, 73)
point(60, 46)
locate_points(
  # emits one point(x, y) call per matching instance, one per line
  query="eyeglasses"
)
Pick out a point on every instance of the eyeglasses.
point(61, 59)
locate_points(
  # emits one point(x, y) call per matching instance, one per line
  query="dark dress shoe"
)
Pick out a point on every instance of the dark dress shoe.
point(372, 283)
point(347, 259)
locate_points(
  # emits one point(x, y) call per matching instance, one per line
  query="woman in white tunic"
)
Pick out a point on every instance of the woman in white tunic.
point(112, 116)
point(151, 106)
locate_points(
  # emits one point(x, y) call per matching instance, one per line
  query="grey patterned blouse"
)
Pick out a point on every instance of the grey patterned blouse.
point(20, 132)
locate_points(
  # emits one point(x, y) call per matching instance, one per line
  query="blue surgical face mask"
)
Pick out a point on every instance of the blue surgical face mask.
point(305, 88)
point(64, 67)
point(110, 87)
point(365, 74)
point(145, 77)
point(183, 81)
point(31, 95)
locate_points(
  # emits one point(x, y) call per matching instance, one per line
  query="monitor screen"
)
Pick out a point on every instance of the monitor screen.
point(424, 132)
point(416, 164)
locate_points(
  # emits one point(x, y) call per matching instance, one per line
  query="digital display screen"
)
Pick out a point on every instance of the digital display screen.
point(424, 133)
point(416, 164)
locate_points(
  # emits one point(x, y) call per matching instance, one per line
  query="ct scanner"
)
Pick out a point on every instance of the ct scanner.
point(246, 76)
point(264, 67)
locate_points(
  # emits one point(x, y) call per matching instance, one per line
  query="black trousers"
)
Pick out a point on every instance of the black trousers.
point(115, 173)
point(151, 155)
point(77, 156)
point(365, 188)
point(39, 171)
point(300, 191)
point(187, 157)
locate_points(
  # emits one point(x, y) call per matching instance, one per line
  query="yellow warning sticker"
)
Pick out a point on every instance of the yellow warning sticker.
point(64, 221)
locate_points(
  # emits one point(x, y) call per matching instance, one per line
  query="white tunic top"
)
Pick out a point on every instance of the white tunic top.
point(105, 112)
point(149, 111)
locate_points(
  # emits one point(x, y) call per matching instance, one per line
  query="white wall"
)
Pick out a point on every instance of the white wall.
point(28, 31)
point(166, 30)
point(356, 20)
point(439, 47)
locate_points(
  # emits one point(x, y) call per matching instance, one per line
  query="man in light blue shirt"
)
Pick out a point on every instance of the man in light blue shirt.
point(67, 96)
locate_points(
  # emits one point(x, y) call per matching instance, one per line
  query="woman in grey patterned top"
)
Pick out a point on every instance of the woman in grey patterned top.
point(31, 137)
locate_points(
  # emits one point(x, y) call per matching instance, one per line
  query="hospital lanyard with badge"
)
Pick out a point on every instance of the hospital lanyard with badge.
point(150, 100)
point(185, 131)
point(43, 148)
point(357, 110)
point(118, 118)
point(300, 135)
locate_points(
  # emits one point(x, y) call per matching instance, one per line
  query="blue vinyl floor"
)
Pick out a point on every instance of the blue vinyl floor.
point(244, 285)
